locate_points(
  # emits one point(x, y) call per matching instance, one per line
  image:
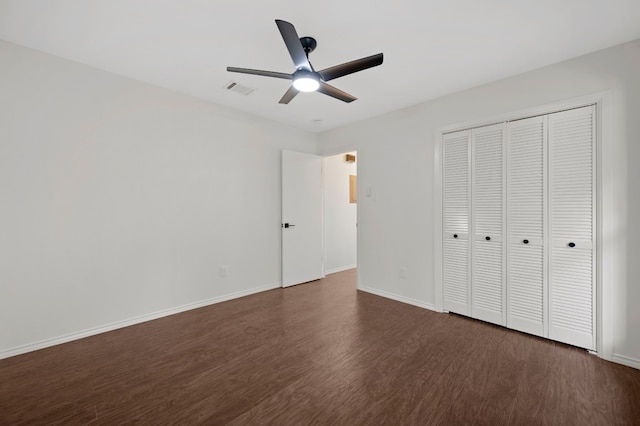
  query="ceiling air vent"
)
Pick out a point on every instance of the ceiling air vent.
point(238, 88)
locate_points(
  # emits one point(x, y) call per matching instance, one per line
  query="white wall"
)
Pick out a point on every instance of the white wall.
point(119, 200)
point(340, 216)
point(396, 160)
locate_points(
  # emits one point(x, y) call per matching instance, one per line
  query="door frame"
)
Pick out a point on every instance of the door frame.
point(359, 195)
point(607, 218)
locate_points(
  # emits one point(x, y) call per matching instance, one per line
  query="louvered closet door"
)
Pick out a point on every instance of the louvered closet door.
point(571, 222)
point(487, 284)
point(526, 183)
point(455, 239)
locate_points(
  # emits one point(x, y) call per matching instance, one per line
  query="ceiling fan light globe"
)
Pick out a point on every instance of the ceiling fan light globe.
point(306, 84)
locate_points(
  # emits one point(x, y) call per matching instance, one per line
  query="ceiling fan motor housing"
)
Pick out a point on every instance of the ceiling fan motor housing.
point(309, 44)
point(302, 73)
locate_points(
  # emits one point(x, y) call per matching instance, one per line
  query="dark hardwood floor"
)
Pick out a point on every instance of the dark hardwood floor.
point(318, 353)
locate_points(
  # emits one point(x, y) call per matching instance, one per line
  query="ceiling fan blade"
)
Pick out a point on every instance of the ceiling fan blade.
point(335, 93)
point(347, 68)
point(260, 72)
point(292, 41)
point(289, 94)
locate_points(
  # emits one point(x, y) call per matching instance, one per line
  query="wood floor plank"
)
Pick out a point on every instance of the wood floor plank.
point(318, 353)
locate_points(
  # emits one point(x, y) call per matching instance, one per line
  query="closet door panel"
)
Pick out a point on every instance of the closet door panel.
point(525, 304)
point(456, 210)
point(487, 283)
point(572, 213)
point(571, 313)
point(526, 220)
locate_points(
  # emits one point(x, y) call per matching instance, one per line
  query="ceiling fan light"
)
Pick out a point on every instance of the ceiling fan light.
point(306, 84)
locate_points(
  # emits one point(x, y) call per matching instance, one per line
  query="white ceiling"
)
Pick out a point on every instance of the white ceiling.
point(431, 47)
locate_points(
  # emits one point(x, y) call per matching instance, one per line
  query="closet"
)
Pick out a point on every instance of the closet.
point(519, 224)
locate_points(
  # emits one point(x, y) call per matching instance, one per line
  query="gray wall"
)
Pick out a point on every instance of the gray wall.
point(396, 162)
point(120, 200)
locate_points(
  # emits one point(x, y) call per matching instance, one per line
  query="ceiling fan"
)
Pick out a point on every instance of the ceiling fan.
point(305, 78)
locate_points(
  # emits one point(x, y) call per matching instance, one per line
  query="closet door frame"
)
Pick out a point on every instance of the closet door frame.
point(607, 218)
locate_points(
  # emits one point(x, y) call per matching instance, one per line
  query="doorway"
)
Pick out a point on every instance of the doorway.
point(340, 211)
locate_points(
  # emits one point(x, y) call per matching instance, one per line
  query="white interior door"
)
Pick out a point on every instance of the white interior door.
point(301, 218)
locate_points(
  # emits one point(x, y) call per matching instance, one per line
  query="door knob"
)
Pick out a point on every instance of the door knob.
point(525, 241)
point(455, 235)
point(488, 238)
point(288, 225)
point(572, 244)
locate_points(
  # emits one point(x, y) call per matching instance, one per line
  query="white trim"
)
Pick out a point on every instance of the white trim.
point(626, 360)
point(131, 321)
point(606, 225)
point(340, 269)
point(324, 218)
point(397, 298)
point(606, 214)
point(577, 102)
point(359, 198)
point(438, 290)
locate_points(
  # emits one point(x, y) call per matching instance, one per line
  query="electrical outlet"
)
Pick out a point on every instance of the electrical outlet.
point(223, 272)
point(402, 272)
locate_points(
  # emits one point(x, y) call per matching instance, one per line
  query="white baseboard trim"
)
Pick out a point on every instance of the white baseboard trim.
point(342, 268)
point(625, 360)
point(402, 299)
point(131, 321)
